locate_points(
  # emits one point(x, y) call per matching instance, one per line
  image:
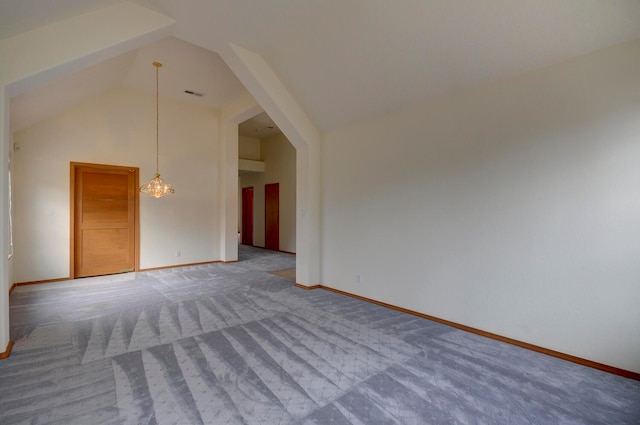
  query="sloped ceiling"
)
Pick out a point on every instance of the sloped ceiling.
point(345, 61)
point(259, 127)
point(185, 67)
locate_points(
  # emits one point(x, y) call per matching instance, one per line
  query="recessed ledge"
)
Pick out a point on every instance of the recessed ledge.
point(251, 166)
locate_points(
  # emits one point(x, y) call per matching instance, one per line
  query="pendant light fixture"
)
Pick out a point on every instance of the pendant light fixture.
point(156, 187)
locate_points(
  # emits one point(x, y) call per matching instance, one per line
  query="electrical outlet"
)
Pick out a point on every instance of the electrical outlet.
point(358, 278)
point(177, 252)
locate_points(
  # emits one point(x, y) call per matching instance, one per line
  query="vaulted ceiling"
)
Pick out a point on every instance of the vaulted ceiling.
point(186, 67)
point(341, 60)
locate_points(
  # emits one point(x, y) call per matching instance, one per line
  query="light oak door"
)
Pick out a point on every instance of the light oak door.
point(105, 219)
point(272, 216)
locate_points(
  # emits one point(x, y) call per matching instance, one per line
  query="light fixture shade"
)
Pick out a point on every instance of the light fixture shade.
point(156, 187)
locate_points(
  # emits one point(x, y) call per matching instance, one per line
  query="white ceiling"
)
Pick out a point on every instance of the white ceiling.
point(345, 60)
point(184, 67)
point(259, 127)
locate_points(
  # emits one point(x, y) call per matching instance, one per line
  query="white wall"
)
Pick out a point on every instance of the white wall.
point(280, 162)
point(279, 157)
point(513, 208)
point(118, 128)
point(5, 272)
point(249, 148)
point(235, 112)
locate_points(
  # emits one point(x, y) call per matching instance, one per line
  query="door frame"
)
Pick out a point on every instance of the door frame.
point(247, 216)
point(267, 199)
point(72, 210)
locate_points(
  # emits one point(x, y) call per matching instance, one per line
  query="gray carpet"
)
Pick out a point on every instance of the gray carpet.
point(234, 344)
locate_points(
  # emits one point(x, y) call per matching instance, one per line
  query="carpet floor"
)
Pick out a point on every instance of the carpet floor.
point(289, 274)
point(234, 344)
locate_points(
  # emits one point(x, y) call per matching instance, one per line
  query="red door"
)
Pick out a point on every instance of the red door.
point(272, 216)
point(247, 215)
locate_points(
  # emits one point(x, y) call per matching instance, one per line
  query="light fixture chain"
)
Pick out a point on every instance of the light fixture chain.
point(157, 187)
point(157, 120)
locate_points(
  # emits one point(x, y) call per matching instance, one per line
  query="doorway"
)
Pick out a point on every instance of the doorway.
point(247, 216)
point(272, 216)
point(105, 219)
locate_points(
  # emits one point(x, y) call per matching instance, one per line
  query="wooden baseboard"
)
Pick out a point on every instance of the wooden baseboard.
point(573, 359)
point(12, 287)
point(308, 288)
point(38, 282)
point(230, 262)
point(7, 352)
point(179, 265)
point(269, 249)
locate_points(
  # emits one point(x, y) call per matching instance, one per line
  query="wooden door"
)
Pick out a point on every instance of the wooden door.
point(272, 216)
point(105, 219)
point(247, 215)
